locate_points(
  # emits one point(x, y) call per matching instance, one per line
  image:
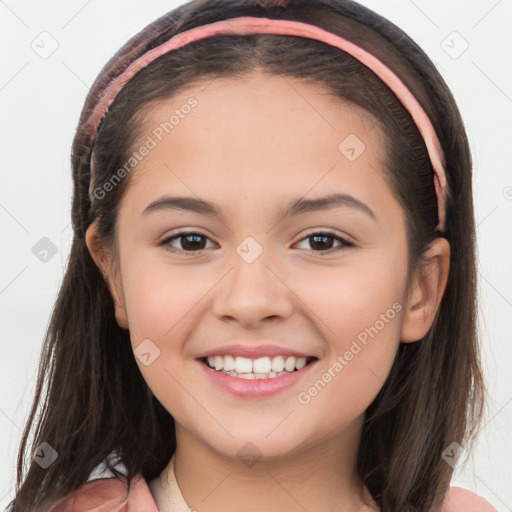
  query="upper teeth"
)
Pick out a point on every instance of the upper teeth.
point(260, 365)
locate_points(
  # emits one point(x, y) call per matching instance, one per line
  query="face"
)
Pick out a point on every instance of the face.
point(234, 278)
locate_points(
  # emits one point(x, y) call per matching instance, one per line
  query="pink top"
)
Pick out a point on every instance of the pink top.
point(104, 492)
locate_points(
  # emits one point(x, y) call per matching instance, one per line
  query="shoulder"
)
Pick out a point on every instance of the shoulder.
point(109, 494)
point(462, 500)
point(106, 490)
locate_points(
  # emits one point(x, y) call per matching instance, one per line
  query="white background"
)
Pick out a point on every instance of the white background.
point(40, 102)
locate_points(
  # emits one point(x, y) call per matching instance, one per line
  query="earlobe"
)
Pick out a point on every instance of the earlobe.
point(426, 291)
point(108, 268)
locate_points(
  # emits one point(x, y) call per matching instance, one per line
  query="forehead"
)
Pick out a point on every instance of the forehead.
point(258, 137)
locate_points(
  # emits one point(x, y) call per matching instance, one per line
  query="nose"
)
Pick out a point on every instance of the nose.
point(253, 292)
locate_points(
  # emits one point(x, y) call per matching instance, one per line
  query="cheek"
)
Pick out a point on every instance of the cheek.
point(162, 301)
point(358, 312)
point(362, 340)
point(163, 305)
point(346, 301)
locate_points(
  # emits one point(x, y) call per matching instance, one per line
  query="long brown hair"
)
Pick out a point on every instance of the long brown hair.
point(95, 398)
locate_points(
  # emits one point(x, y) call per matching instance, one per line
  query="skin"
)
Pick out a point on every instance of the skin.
point(250, 146)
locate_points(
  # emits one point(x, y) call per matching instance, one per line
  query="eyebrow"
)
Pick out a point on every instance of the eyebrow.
point(296, 207)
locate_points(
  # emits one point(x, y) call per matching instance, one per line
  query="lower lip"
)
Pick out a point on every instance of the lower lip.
point(255, 387)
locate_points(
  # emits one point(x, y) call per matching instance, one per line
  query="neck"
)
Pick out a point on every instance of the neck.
point(315, 478)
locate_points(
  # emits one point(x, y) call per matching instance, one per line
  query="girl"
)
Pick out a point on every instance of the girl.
point(270, 298)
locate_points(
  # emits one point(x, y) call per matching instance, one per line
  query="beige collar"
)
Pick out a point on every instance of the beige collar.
point(166, 492)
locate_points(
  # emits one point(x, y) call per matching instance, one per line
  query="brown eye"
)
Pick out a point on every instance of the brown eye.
point(187, 242)
point(324, 241)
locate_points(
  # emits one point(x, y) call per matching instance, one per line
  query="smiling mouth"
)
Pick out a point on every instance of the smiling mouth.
point(260, 368)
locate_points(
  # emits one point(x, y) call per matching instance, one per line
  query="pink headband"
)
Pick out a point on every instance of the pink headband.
point(255, 25)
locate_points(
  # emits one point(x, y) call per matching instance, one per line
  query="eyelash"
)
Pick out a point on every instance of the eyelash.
point(182, 234)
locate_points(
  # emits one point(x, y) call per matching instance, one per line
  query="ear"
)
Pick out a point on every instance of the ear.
point(426, 291)
point(106, 263)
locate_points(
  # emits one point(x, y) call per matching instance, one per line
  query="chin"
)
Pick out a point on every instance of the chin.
point(259, 441)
